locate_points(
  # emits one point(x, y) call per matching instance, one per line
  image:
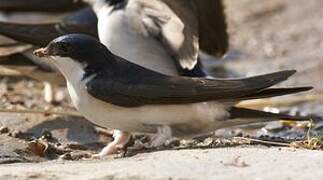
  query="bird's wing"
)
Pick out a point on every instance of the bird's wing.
point(35, 34)
point(146, 87)
point(213, 35)
point(40, 5)
point(83, 21)
point(186, 26)
point(173, 24)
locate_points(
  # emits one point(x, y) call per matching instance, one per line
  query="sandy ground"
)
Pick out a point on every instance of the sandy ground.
point(265, 36)
point(225, 163)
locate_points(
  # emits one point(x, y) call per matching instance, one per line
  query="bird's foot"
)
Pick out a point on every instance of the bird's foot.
point(164, 133)
point(120, 140)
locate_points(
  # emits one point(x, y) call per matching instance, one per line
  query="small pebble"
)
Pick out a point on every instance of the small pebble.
point(66, 156)
point(16, 134)
point(4, 130)
point(46, 134)
point(173, 142)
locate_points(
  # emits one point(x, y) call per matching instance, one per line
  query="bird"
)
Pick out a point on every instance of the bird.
point(113, 92)
point(163, 35)
point(40, 34)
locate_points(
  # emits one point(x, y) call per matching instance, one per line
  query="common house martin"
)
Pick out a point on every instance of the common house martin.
point(113, 92)
point(163, 35)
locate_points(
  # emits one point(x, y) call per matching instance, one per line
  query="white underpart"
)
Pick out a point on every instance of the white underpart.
point(134, 119)
point(123, 32)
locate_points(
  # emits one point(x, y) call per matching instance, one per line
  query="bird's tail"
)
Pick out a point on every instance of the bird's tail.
point(237, 112)
point(274, 92)
point(243, 116)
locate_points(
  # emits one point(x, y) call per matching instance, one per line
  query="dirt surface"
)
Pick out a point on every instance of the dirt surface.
point(265, 36)
point(226, 163)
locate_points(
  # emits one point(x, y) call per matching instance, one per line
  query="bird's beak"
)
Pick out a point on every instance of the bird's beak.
point(42, 52)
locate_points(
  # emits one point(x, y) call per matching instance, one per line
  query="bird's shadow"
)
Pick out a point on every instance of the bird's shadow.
point(69, 129)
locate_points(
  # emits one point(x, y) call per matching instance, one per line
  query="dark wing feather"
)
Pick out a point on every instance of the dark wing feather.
point(83, 21)
point(35, 34)
point(273, 92)
point(143, 87)
point(40, 5)
point(213, 35)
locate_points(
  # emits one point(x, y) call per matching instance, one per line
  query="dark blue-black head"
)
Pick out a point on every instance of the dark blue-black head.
point(78, 55)
point(82, 48)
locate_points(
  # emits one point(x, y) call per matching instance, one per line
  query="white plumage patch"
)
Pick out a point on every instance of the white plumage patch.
point(132, 34)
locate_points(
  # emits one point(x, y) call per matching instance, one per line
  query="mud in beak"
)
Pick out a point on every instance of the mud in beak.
point(42, 52)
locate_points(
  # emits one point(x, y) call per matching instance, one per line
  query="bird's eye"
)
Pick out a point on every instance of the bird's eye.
point(64, 47)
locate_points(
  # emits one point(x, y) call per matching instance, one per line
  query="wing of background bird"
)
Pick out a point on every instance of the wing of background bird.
point(174, 24)
point(213, 35)
point(150, 88)
point(35, 34)
point(83, 21)
point(40, 5)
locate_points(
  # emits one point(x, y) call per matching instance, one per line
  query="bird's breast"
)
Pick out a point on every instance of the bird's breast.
point(124, 36)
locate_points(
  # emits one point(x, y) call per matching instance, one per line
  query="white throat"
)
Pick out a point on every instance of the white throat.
point(71, 70)
point(97, 5)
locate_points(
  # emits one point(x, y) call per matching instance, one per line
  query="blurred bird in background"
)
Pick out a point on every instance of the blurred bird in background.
point(163, 35)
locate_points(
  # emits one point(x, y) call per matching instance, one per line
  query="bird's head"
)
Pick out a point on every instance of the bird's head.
point(73, 51)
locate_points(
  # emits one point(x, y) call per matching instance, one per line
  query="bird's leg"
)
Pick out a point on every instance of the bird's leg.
point(120, 140)
point(164, 133)
point(103, 131)
point(48, 92)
